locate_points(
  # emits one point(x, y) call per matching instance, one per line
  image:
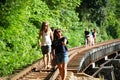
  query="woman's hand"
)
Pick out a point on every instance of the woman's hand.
point(64, 42)
point(39, 43)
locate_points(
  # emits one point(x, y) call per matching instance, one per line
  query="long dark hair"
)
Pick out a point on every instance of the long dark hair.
point(56, 32)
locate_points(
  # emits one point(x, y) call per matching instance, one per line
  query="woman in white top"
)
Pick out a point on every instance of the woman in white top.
point(47, 37)
point(94, 35)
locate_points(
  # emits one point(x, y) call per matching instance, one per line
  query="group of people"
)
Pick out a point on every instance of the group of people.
point(54, 47)
point(90, 37)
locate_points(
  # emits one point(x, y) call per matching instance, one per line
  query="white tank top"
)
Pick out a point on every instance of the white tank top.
point(46, 40)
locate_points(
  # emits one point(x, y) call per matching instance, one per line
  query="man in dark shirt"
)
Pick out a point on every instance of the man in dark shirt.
point(86, 37)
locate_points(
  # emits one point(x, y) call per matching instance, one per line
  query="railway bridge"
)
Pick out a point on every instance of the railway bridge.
point(85, 63)
point(102, 61)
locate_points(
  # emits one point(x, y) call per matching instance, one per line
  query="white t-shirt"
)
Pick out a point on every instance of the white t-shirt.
point(46, 40)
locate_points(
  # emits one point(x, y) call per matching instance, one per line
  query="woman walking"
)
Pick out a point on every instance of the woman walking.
point(61, 52)
point(94, 34)
point(45, 45)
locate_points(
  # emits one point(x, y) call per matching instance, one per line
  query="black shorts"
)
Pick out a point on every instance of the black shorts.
point(46, 49)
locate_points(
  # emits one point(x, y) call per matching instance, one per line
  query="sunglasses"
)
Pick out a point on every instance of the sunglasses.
point(58, 31)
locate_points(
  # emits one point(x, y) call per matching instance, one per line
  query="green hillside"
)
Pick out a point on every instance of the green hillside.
point(20, 21)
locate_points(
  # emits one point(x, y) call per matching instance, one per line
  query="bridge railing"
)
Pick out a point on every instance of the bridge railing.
point(97, 53)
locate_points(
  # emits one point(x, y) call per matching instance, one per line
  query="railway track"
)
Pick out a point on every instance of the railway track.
point(75, 55)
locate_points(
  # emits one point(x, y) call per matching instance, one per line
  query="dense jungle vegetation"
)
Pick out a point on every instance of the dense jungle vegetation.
point(20, 21)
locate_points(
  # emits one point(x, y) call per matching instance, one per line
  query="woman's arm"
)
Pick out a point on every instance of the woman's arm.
point(40, 33)
point(64, 42)
point(51, 35)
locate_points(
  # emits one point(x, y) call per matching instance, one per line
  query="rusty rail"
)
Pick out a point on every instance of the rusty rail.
point(72, 53)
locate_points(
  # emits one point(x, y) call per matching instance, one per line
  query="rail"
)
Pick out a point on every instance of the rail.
point(97, 53)
point(84, 61)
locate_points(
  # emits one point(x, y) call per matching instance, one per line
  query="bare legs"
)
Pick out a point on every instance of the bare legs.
point(53, 60)
point(89, 41)
point(46, 60)
point(63, 70)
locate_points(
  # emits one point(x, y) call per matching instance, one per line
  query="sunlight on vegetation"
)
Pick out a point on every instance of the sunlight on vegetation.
point(20, 21)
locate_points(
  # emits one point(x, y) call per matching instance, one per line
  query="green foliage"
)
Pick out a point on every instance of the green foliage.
point(93, 10)
point(75, 38)
point(103, 13)
point(117, 10)
point(20, 21)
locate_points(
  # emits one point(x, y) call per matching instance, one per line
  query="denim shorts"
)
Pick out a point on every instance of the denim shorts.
point(46, 49)
point(62, 58)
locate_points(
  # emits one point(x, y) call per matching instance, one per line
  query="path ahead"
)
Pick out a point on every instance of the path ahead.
point(75, 56)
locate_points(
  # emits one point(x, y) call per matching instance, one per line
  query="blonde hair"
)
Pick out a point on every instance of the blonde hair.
point(43, 26)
